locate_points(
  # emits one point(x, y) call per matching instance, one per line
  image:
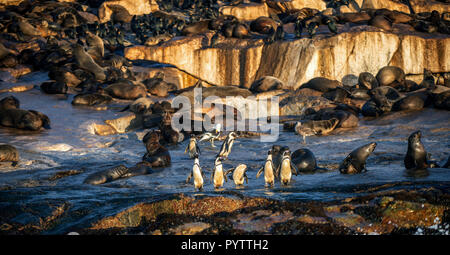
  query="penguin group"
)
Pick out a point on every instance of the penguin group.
point(283, 165)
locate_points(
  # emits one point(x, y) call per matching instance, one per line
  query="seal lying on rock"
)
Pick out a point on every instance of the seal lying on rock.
point(391, 76)
point(321, 84)
point(355, 162)
point(124, 90)
point(416, 155)
point(140, 106)
point(9, 153)
point(367, 80)
point(91, 99)
point(266, 83)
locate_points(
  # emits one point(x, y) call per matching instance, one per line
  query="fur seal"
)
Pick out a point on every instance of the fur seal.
point(9, 153)
point(24, 119)
point(106, 175)
point(199, 27)
point(96, 46)
point(192, 147)
point(140, 106)
point(321, 84)
point(157, 155)
point(382, 22)
point(91, 99)
point(197, 173)
point(315, 127)
point(218, 175)
point(9, 102)
point(85, 61)
point(367, 80)
point(409, 103)
point(442, 100)
point(266, 83)
point(125, 90)
point(269, 170)
point(54, 87)
point(416, 156)
point(305, 161)
point(355, 162)
point(263, 25)
point(239, 174)
point(391, 76)
point(286, 167)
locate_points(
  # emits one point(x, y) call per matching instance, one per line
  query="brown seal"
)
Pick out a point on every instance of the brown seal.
point(9, 153)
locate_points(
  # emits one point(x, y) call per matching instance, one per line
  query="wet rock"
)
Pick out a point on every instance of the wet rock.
point(191, 228)
point(260, 220)
point(410, 214)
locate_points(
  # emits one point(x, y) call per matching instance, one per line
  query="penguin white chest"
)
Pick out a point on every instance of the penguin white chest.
point(198, 179)
point(218, 177)
point(286, 173)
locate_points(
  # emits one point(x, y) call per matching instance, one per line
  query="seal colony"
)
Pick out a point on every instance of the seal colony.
point(84, 57)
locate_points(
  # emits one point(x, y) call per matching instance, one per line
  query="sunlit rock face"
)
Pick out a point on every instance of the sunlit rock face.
point(246, 12)
point(428, 6)
point(232, 62)
point(283, 6)
point(392, 5)
point(295, 61)
point(134, 7)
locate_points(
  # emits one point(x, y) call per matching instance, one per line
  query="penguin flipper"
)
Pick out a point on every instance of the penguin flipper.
point(225, 176)
point(277, 171)
point(198, 148)
point(186, 150)
point(294, 169)
point(125, 109)
point(189, 177)
point(246, 178)
point(259, 172)
point(229, 171)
